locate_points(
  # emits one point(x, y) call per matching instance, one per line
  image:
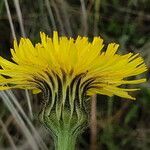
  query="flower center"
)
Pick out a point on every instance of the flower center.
point(65, 91)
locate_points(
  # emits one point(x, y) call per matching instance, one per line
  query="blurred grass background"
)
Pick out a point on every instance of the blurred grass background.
point(115, 123)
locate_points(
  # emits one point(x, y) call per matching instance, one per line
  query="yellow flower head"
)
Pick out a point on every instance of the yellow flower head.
point(70, 68)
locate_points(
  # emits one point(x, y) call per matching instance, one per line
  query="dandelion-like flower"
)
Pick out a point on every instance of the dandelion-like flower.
point(67, 71)
point(60, 62)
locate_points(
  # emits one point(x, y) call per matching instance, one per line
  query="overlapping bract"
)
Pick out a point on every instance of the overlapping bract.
point(72, 57)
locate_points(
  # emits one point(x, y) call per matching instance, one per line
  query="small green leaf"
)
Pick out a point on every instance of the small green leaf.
point(131, 114)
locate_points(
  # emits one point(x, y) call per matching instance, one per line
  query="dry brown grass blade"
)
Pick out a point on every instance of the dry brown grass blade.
point(93, 124)
point(2, 124)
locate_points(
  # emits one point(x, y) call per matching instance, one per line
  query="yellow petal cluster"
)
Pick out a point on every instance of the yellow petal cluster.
point(70, 57)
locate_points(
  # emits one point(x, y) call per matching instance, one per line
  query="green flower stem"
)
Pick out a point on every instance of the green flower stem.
point(65, 140)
